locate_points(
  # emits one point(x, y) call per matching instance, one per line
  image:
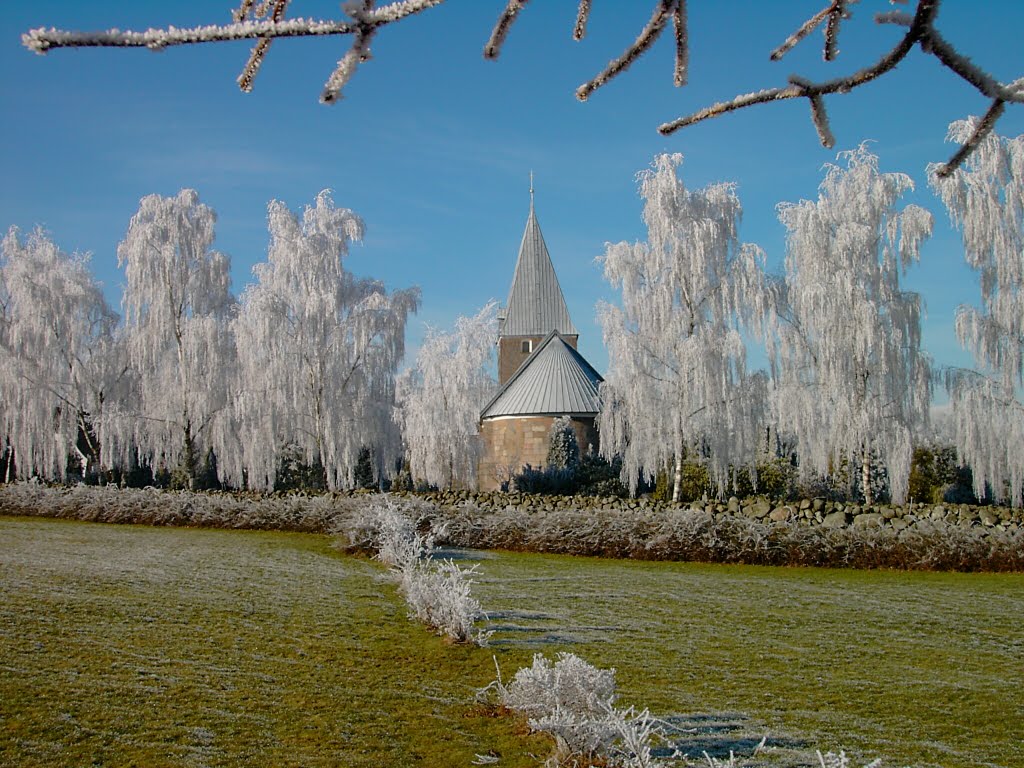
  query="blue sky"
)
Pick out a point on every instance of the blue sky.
point(433, 146)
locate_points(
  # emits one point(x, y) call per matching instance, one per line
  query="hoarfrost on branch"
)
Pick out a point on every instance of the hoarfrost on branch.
point(440, 397)
point(178, 304)
point(60, 360)
point(318, 349)
point(852, 383)
point(266, 21)
point(677, 385)
point(985, 199)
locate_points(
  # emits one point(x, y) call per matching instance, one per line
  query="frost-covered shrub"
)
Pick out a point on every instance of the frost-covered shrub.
point(439, 593)
point(574, 702)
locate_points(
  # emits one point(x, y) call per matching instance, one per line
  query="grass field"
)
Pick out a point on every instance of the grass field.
point(124, 645)
point(916, 668)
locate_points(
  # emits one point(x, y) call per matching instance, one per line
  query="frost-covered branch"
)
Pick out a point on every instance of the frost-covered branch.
point(921, 32)
point(265, 22)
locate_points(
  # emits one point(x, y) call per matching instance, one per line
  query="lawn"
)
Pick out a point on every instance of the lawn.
point(917, 668)
point(130, 645)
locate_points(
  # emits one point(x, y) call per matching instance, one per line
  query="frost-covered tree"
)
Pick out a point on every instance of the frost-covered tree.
point(985, 199)
point(852, 383)
point(178, 305)
point(265, 21)
point(677, 385)
point(440, 397)
point(318, 348)
point(61, 364)
point(563, 447)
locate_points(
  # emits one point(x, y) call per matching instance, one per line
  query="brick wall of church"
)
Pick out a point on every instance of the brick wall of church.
point(512, 443)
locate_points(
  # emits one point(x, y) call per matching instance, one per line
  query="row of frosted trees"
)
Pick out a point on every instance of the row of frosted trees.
point(849, 386)
point(300, 368)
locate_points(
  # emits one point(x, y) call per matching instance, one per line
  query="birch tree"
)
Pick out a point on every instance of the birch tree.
point(62, 364)
point(440, 397)
point(852, 381)
point(677, 385)
point(318, 349)
point(985, 199)
point(178, 305)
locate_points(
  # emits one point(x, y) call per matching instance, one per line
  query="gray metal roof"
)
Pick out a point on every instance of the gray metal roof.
point(555, 379)
point(535, 303)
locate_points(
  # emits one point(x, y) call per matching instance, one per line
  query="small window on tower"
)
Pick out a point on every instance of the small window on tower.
point(527, 346)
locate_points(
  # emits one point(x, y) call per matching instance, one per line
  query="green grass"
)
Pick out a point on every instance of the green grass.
point(124, 645)
point(917, 668)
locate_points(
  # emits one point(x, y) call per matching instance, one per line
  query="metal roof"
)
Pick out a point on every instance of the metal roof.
point(555, 379)
point(535, 303)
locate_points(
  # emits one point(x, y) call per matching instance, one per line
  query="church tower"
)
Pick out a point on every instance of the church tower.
point(535, 305)
point(541, 375)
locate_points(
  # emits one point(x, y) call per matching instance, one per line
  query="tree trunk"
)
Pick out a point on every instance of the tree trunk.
point(677, 481)
point(10, 464)
point(865, 476)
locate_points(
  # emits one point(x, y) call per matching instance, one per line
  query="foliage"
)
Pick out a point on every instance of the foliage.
point(677, 383)
point(563, 448)
point(936, 476)
point(318, 349)
point(986, 200)
point(440, 397)
point(852, 383)
point(594, 475)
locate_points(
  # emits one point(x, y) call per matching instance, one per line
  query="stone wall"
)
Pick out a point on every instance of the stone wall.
point(815, 512)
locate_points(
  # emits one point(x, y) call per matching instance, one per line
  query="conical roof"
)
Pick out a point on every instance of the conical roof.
point(535, 303)
point(554, 380)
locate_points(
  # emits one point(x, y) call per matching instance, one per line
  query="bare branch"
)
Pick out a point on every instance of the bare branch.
point(981, 130)
point(493, 48)
point(836, 14)
point(259, 51)
point(682, 44)
point(808, 26)
point(582, 16)
point(649, 34)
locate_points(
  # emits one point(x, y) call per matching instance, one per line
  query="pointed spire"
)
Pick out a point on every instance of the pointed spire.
point(535, 303)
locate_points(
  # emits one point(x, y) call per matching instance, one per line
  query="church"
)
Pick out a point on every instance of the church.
point(541, 375)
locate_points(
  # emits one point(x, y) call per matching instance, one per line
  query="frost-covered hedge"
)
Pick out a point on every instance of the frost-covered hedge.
point(935, 537)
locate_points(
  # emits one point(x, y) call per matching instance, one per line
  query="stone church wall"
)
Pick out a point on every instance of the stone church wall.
point(512, 443)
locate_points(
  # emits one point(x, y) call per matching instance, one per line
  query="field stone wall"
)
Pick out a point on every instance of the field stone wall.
point(811, 512)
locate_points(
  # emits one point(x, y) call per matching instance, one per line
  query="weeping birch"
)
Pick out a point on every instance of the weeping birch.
point(677, 386)
point(318, 349)
point(852, 383)
point(178, 305)
point(440, 397)
point(61, 362)
point(985, 199)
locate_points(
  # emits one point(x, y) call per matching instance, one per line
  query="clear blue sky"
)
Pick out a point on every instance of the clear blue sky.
point(433, 146)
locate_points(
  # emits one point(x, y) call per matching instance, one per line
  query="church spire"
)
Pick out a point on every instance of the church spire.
point(535, 305)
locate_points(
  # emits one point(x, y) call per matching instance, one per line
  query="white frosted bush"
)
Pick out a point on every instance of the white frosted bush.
point(439, 593)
